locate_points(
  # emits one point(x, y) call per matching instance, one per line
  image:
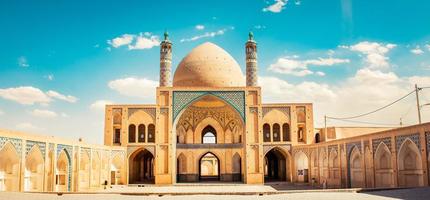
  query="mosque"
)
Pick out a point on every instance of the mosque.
point(209, 124)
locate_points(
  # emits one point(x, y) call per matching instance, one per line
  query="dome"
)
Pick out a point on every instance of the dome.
point(208, 65)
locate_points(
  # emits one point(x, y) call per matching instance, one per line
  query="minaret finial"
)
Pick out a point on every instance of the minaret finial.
point(166, 35)
point(251, 35)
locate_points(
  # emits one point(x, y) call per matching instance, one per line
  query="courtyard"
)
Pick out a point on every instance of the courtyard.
point(210, 192)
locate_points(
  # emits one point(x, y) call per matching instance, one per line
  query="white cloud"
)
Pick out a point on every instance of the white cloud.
point(145, 41)
point(200, 27)
point(276, 7)
point(428, 47)
point(64, 115)
point(28, 95)
point(28, 127)
point(287, 65)
point(297, 2)
point(1, 112)
point(135, 42)
point(44, 113)
point(22, 62)
point(125, 39)
point(206, 35)
point(417, 51)
point(68, 98)
point(134, 87)
point(100, 105)
point(375, 53)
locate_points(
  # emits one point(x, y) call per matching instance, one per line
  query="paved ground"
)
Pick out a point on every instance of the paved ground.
point(418, 193)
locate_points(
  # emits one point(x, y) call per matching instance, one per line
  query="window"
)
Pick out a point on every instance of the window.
point(151, 133)
point(209, 135)
point(132, 133)
point(117, 136)
point(141, 133)
point(276, 133)
point(286, 132)
point(266, 133)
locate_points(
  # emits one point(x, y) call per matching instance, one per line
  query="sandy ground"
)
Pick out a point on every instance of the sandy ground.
point(418, 193)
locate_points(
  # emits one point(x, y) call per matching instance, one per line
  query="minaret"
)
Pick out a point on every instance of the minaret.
point(251, 61)
point(165, 61)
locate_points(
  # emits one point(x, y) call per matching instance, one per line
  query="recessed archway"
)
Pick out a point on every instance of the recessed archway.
point(9, 168)
point(63, 170)
point(33, 175)
point(209, 135)
point(302, 166)
point(209, 167)
point(356, 174)
point(410, 165)
point(141, 164)
point(383, 168)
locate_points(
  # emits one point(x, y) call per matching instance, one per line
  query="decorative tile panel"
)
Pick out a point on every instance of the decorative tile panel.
point(17, 143)
point(376, 142)
point(349, 147)
point(414, 137)
point(149, 111)
point(428, 142)
point(182, 99)
point(30, 144)
point(285, 110)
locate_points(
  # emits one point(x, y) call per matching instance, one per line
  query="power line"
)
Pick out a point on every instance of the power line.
point(371, 112)
point(364, 122)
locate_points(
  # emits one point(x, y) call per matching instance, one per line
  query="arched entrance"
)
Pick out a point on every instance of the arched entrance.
point(209, 135)
point(141, 167)
point(209, 168)
point(275, 166)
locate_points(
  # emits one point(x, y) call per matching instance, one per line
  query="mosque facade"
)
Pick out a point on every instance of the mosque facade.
point(209, 124)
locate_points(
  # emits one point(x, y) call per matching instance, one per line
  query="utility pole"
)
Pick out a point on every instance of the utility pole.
point(418, 103)
point(325, 127)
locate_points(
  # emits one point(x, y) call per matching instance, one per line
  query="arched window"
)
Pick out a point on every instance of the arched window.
point(209, 135)
point(141, 133)
point(266, 133)
point(131, 133)
point(151, 133)
point(286, 132)
point(317, 138)
point(117, 136)
point(276, 133)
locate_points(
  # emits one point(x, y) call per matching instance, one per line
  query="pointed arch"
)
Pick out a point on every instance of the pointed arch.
point(209, 167)
point(84, 170)
point(95, 169)
point(277, 165)
point(301, 166)
point(383, 167)
point(117, 170)
point(334, 164)
point(34, 170)
point(409, 165)
point(236, 167)
point(9, 167)
point(355, 169)
point(62, 178)
point(323, 165)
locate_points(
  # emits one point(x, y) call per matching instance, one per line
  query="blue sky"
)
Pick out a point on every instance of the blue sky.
point(60, 61)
